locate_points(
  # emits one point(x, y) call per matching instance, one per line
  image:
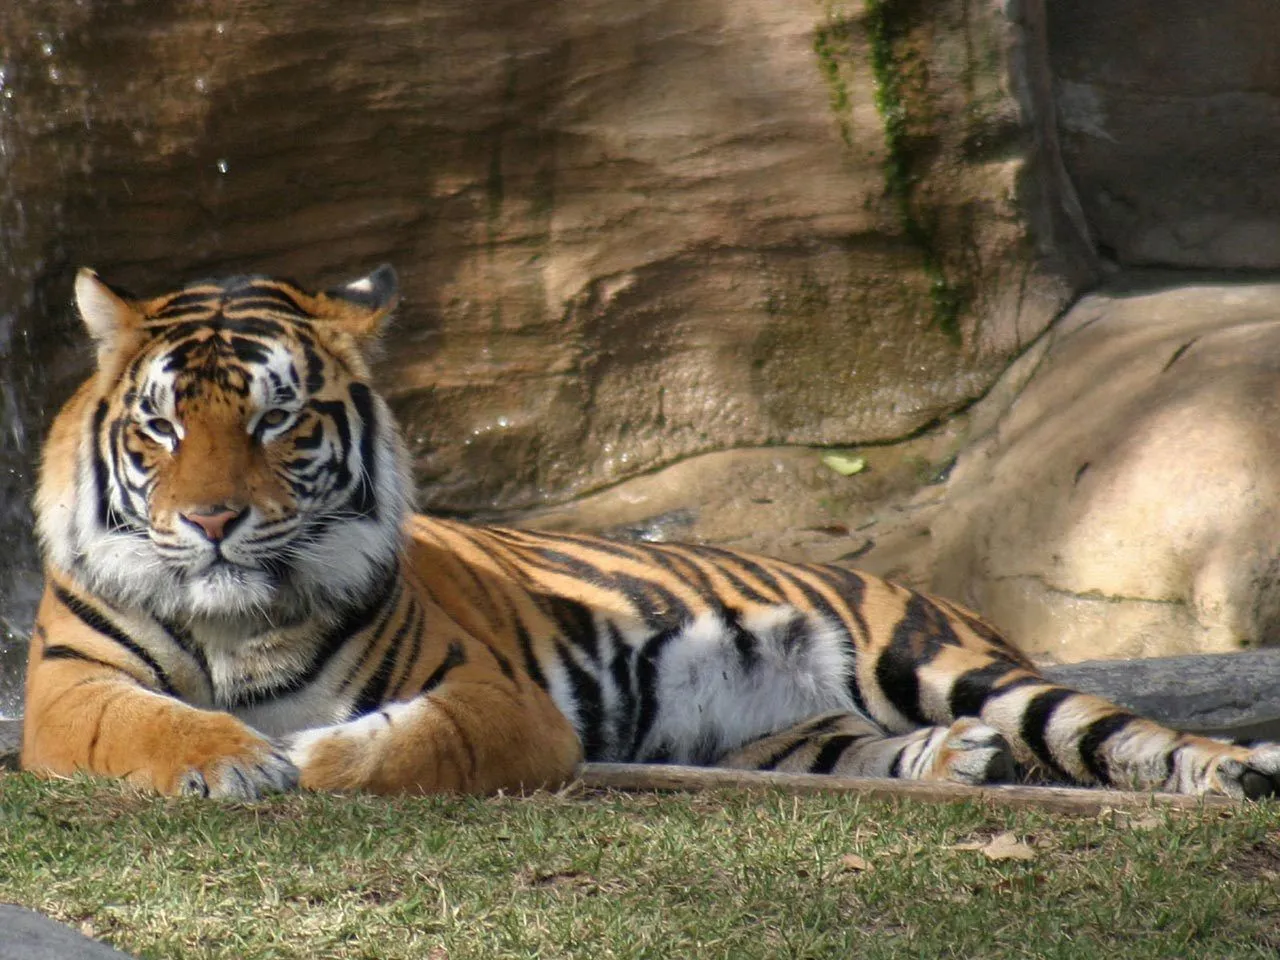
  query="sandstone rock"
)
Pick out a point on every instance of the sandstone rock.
point(1126, 502)
point(1170, 127)
point(786, 502)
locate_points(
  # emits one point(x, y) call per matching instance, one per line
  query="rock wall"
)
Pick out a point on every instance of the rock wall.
point(1169, 115)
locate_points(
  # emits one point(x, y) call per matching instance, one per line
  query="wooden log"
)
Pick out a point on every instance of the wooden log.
point(1068, 800)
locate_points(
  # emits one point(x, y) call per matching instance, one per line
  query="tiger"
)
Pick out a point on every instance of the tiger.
point(240, 601)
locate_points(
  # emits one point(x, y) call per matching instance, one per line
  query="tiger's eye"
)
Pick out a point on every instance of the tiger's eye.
point(160, 427)
point(273, 418)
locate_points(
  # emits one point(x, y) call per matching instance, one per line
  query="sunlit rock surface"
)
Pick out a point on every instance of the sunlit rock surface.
point(1126, 502)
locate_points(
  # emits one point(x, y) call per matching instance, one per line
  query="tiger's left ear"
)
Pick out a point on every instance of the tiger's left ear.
point(360, 307)
point(110, 315)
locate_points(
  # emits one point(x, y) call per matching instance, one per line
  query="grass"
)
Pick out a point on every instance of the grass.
point(590, 874)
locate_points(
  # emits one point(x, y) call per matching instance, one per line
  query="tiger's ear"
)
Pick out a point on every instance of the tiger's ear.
point(111, 318)
point(361, 306)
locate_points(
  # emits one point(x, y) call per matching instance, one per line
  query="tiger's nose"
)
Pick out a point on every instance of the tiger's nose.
point(216, 522)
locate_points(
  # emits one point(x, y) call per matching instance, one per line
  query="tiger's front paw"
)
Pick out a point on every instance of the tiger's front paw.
point(241, 778)
point(221, 757)
point(1253, 775)
point(341, 756)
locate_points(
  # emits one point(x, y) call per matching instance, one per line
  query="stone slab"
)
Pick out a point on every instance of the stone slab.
point(27, 935)
point(1231, 693)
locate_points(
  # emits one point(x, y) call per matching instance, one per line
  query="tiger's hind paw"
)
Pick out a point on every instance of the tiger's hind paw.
point(974, 753)
point(1255, 776)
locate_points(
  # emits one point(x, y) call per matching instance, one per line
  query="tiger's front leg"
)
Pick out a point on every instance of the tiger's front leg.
point(94, 714)
point(476, 732)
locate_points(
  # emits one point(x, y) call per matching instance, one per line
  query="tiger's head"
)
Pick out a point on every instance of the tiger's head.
point(228, 460)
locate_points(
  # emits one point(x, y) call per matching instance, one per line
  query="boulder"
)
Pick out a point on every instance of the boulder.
point(27, 935)
point(1120, 495)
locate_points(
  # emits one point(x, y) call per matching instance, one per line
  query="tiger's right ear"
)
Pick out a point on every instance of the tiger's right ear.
point(111, 318)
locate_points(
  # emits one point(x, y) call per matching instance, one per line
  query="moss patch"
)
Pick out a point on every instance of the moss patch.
point(903, 101)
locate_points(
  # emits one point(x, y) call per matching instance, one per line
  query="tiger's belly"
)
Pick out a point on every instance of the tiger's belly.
point(692, 695)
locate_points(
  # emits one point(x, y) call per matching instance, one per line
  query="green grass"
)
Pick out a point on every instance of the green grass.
point(610, 875)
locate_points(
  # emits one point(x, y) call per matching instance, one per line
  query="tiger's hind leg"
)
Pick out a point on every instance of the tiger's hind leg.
point(1075, 737)
point(967, 751)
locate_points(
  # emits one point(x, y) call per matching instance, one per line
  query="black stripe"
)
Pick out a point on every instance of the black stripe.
point(576, 624)
point(721, 559)
point(645, 669)
point(187, 301)
point(744, 641)
point(257, 327)
point(455, 656)
point(249, 351)
point(60, 651)
point(364, 501)
point(259, 302)
point(541, 541)
point(625, 713)
point(821, 725)
point(687, 569)
point(659, 607)
point(831, 753)
point(973, 688)
point(183, 641)
point(588, 703)
point(354, 620)
point(415, 650)
point(370, 647)
point(921, 632)
point(531, 666)
point(98, 623)
point(1035, 725)
point(850, 586)
point(557, 561)
point(315, 365)
point(101, 477)
point(823, 608)
point(771, 763)
point(1095, 737)
point(896, 677)
point(374, 692)
point(336, 412)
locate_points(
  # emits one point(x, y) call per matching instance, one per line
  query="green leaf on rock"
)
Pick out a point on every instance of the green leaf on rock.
point(845, 464)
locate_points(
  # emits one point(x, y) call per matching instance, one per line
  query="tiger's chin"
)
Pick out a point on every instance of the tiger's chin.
point(229, 591)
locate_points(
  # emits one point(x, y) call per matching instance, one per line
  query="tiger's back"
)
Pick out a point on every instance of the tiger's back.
point(238, 601)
